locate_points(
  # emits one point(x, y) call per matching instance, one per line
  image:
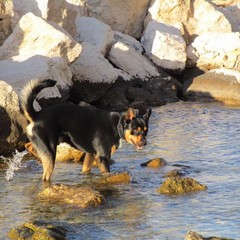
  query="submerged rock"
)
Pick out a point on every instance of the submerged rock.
point(82, 197)
point(178, 185)
point(175, 173)
point(118, 178)
point(35, 231)
point(155, 163)
point(195, 236)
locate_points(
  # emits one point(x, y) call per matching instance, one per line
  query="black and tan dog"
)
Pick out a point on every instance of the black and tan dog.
point(91, 130)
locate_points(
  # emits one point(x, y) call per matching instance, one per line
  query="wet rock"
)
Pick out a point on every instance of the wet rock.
point(175, 173)
point(65, 153)
point(82, 197)
point(119, 178)
point(29, 231)
point(195, 236)
point(178, 185)
point(155, 163)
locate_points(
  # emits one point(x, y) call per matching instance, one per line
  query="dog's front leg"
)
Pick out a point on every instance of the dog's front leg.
point(103, 164)
point(88, 162)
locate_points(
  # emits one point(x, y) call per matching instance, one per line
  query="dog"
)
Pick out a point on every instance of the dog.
point(94, 131)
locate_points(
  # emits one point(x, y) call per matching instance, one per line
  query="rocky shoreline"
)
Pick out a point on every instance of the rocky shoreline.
point(113, 56)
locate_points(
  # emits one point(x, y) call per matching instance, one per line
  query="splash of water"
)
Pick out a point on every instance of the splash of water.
point(14, 163)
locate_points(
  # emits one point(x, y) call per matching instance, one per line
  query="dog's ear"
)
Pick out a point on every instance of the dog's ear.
point(130, 114)
point(147, 115)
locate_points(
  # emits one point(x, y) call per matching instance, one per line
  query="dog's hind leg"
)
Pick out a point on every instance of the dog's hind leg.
point(48, 161)
point(47, 153)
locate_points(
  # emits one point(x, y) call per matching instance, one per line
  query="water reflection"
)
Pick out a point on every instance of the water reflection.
point(203, 137)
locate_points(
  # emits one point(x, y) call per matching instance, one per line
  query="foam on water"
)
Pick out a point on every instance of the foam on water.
point(14, 163)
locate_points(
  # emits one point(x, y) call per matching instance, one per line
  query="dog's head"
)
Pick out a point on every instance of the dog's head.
point(134, 128)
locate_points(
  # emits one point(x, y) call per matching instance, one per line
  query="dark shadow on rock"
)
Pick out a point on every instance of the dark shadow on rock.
point(5, 130)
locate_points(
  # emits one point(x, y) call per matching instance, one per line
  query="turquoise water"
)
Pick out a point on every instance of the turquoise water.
point(201, 139)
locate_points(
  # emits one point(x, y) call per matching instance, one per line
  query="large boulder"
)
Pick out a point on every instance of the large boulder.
point(39, 68)
point(132, 62)
point(165, 46)
point(62, 12)
point(12, 123)
point(123, 16)
point(215, 50)
point(189, 16)
point(93, 74)
point(233, 12)
point(5, 20)
point(220, 84)
point(28, 40)
point(95, 32)
point(154, 92)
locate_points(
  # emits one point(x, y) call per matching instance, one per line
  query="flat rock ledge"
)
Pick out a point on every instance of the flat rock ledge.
point(36, 231)
point(81, 197)
point(195, 236)
point(178, 185)
point(155, 163)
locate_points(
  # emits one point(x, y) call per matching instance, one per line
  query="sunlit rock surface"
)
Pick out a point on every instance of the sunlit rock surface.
point(82, 197)
point(220, 84)
point(179, 185)
point(191, 235)
point(155, 163)
point(37, 231)
point(118, 178)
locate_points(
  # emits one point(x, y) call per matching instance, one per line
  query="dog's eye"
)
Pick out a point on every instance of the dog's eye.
point(136, 132)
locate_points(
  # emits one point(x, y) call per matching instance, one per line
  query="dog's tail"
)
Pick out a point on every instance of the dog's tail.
point(28, 95)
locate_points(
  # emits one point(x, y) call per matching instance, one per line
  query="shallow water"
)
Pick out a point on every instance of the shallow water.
point(201, 139)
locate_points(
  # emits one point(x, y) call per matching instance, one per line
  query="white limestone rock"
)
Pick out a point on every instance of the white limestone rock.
point(215, 50)
point(132, 62)
point(123, 16)
point(128, 40)
point(62, 12)
point(219, 84)
point(191, 17)
point(12, 122)
point(93, 67)
point(165, 46)
point(17, 72)
point(36, 36)
point(95, 32)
